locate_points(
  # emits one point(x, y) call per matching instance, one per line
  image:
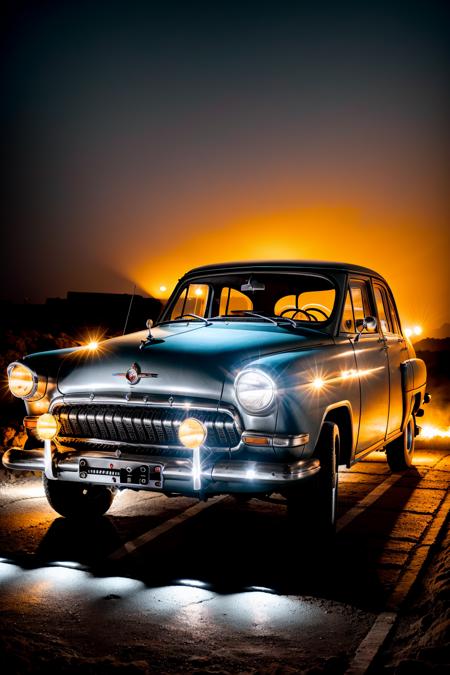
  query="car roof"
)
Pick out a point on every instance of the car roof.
point(263, 265)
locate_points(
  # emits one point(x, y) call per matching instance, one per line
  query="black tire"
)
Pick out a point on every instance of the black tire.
point(400, 453)
point(74, 500)
point(313, 504)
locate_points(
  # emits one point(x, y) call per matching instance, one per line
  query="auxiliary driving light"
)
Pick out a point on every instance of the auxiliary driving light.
point(192, 433)
point(47, 427)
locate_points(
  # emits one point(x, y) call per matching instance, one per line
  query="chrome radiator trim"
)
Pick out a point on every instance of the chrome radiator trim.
point(146, 426)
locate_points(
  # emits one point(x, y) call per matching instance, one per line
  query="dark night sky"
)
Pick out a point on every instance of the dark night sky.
point(144, 138)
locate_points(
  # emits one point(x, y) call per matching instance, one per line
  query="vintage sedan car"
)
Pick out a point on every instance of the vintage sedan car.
point(258, 378)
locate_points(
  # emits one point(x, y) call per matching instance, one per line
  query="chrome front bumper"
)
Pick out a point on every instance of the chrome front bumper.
point(177, 474)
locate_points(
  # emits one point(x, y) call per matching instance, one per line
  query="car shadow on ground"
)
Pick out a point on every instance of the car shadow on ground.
point(234, 546)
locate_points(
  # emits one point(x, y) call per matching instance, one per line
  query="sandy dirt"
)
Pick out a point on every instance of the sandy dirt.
point(420, 643)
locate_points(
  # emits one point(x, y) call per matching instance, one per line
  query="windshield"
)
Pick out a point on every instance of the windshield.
point(308, 298)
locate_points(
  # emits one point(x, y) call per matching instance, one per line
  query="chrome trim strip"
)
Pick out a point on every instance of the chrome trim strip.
point(140, 401)
point(63, 441)
point(244, 471)
point(267, 472)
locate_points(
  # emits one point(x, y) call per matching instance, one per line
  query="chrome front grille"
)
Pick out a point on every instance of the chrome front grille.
point(143, 426)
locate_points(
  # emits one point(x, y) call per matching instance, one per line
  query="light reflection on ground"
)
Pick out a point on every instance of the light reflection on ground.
point(255, 610)
point(31, 490)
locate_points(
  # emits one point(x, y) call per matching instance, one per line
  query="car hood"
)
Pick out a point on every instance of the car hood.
point(183, 360)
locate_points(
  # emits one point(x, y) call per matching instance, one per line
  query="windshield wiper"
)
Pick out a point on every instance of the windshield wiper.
point(276, 320)
point(181, 319)
point(259, 316)
point(286, 318)
point(281, 319)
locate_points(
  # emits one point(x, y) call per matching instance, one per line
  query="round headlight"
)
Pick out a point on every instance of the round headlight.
point(255, 390)
point(192, 433)
point(22, 381)
point(47, 427)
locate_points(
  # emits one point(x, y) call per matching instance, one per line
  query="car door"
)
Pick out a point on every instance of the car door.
point(396, 352)
point(372, 368)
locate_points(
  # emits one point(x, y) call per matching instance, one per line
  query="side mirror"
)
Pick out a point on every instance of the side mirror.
point(369, 323)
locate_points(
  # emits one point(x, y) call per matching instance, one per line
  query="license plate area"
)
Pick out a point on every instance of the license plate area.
point(120, 472)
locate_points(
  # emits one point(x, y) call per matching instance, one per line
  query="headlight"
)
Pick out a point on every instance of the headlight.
point(47, 427)
point(22, 381)
point(255, 390)
point(192, 433)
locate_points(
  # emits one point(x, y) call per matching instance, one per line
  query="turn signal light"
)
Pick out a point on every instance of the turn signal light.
point(256, 440)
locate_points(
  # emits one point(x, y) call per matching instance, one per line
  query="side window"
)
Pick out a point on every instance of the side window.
point(193, 300)
point(348, 323)
point(232, 301)
point(358, 305)
point(382, 309)
point(361, 305)
point(394, 316)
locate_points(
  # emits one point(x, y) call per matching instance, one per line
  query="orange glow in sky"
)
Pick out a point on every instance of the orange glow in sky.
point(392, 244)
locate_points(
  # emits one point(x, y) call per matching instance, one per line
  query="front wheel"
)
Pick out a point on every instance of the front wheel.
point(399, 453)
point(75, 500)
point(313, 504)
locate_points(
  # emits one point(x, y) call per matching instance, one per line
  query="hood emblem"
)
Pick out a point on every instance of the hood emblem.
point(134, 374)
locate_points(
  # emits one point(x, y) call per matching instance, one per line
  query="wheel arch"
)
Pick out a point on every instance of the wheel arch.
point(341, 414)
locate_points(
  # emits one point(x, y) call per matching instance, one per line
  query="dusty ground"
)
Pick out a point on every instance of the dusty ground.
point(420, 643)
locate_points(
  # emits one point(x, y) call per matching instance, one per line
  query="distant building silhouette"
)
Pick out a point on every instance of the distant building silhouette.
point(80, 311)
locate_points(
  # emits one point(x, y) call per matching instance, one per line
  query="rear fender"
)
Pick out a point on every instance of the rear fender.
point(414, 382)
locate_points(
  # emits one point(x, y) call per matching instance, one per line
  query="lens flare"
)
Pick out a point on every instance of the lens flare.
point(318, 383)
point(433, 431)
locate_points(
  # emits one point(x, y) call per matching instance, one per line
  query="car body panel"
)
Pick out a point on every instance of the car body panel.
point(368, 383)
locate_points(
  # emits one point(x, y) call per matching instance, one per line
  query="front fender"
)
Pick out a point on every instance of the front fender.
point(302, 405)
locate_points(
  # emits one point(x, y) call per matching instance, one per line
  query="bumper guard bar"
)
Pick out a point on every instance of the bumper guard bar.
point(66, 466)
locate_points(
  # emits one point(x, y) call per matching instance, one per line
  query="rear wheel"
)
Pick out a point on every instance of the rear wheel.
point(74, 500)
point(399, 453)
point(313, 504)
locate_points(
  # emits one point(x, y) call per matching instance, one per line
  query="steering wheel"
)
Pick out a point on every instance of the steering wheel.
point(296, 311)
point(312, 308)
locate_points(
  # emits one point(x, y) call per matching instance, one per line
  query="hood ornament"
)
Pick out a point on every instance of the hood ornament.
point(134, 374)
point(150, 339)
